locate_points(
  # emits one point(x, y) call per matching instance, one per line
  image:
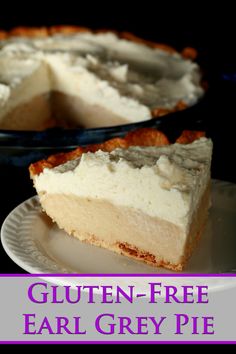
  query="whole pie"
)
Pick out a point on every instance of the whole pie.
point(139, 196)
point(72, 76)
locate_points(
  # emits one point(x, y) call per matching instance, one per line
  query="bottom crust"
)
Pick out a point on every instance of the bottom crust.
point(127, 231)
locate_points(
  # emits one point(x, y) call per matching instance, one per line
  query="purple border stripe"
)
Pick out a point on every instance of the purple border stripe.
point(106, 275)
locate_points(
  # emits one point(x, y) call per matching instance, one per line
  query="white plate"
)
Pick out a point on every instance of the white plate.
point(37, 245)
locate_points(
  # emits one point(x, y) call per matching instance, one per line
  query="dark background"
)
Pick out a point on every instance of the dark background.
point(212, 32)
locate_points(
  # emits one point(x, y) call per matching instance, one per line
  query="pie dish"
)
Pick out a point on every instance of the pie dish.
point(139, 196)
point(74, 77)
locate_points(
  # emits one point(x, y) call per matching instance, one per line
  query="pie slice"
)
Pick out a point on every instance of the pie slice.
point(139, 196)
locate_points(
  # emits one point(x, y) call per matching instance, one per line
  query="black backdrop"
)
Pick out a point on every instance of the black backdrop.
point(210, 31)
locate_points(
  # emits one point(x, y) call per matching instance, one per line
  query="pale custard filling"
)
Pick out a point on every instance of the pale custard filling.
point(128, 80)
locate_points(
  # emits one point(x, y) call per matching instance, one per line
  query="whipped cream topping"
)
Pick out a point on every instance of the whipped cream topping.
point(165, 182)
point(128, 78)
